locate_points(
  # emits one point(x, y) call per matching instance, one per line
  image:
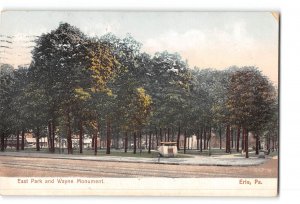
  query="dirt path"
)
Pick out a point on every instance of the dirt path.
point(44, 167)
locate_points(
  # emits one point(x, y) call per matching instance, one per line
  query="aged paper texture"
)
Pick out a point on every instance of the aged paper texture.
point(139, 103)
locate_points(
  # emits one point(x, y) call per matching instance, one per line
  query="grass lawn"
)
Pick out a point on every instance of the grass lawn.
point(220, 152)
point(102, 152)
point(143, 154)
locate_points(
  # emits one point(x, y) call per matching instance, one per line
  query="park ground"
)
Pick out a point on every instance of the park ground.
point(118, 164)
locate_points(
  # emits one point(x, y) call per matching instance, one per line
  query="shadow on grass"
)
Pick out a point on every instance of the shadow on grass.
point(144, 153)
point(100, 152)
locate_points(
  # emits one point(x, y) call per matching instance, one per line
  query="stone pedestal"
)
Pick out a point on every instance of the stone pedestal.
point(261, 155)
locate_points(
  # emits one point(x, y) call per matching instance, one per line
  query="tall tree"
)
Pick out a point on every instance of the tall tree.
point(6, 95)
point(250, 97)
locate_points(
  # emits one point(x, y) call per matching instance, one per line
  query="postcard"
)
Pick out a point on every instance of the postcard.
point(139, 103)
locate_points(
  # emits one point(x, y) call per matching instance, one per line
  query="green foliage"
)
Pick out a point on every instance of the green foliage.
point(103, 65)
point(168, 85)
point(74, 78)
point(6, 93)
point(136, 109)
point(250, 98)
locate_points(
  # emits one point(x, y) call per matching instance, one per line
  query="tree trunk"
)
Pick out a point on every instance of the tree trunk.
point(152, 141)
point(259, 144)
point(233, 142)
point(149, 147)
point(231, 134)
point(165, 133)
point(256, 144)
point(243, 139)
point(220, 133)
point(53, 137)
point(168, 134)
point(50, 136)
point(228, 150)
point(23, 140)
point(80, 136)
point(246, 143)
point(238, 139)
point(226, 140)
point(108, 136)
point(37, 138)
point(204, 139)
point(95, 139)
point(184, 145)
point(2, 141)
point(137, 141)
point(126, 142)
point(69, 134)
point(95, 143)
point(99, 132)
point(229, 137)
point(209, 144)
point(273, 143)
point(201, 140)
point(276, 143)
point(269, 143)
point(178, 138)
point(18, 141)
point(129, 142)
point(208, 140)
point(140, 141)
point(160, 135)
point(5, 143)
point(198, 136)
point(134, 143)
point(146, 141)
point(156, 136)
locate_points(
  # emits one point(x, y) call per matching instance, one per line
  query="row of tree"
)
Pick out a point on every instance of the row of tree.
point(77, 84)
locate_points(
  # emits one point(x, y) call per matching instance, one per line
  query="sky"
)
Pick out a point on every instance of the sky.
point(205, 39)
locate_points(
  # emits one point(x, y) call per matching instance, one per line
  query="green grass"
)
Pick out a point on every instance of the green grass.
point(138, 154)
point(204, 152)
point(102, 152)
point(119, 153)
point(143, 154)
point(220, 152)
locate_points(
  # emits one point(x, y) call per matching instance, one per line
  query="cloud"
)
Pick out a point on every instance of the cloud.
point(96, 30)
point(175, 41)
point(216, 47)
point(233, 37)
point(219, 48)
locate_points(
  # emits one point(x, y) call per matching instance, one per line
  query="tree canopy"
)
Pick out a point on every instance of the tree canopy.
point(75, 80)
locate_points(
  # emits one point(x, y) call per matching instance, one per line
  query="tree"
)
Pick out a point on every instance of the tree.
point(136, 111)
point(121, 96)
point(18, 104)
point(34, 111)
point(58, 68)
point(72, 67)
point(77, 84)
point(168, 80)
point(6, 95)
point(250, 97)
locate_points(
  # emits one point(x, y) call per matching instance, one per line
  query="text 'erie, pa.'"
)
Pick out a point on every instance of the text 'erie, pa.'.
point(250, 181)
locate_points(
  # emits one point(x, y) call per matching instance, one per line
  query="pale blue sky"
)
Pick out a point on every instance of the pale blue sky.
point(205, 39)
